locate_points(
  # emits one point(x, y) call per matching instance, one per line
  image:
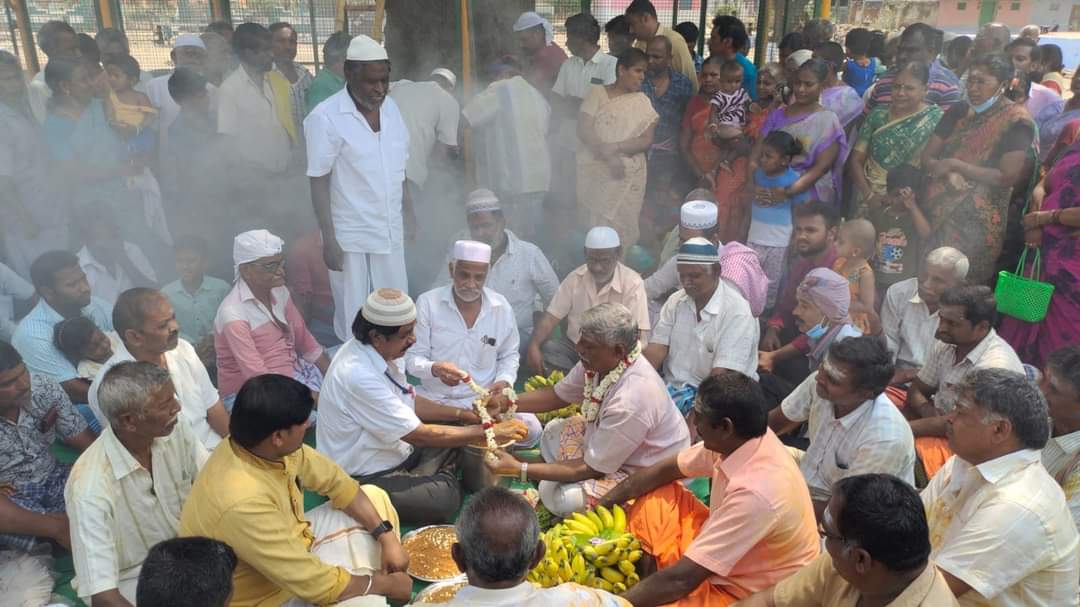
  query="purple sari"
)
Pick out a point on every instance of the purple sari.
point(1034, 342)
point(816, 132)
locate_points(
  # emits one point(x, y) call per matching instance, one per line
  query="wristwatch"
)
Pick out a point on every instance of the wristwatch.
point(381, 529)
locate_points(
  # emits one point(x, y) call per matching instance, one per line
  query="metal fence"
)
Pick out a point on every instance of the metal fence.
point(152, 25)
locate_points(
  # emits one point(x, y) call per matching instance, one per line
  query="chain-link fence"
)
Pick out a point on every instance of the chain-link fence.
point(153, 25)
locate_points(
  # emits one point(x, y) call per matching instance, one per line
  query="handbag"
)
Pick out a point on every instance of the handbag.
point(1022, 297)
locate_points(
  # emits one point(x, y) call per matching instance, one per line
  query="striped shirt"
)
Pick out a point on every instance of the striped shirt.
point(118, 510)
point(33, 338)
point(943, 89)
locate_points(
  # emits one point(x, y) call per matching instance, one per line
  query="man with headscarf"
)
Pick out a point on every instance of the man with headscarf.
point(542, 56)
point(258, 329)
point(375, 426)
point(464, 329)
point(519, 270)
point(357, 148)
point(854, 427)
point(705, 328)
point(511, 118)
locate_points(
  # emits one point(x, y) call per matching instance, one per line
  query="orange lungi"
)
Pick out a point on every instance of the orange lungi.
point(933, 452)
point(666, 521)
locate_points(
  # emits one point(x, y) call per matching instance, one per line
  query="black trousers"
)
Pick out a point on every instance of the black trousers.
point(424, 488)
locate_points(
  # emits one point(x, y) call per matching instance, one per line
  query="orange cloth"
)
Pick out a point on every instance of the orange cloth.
point(897, 395)
point(933, 452)
point(862, 320)
point(666, 522)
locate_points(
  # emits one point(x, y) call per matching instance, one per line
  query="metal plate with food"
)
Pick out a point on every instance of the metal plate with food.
point(439, 593)
point(429, 553)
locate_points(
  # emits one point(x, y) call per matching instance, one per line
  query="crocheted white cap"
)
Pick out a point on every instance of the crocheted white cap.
point(389, 308)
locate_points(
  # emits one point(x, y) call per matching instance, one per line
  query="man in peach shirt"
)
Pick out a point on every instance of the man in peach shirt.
point(759, 526)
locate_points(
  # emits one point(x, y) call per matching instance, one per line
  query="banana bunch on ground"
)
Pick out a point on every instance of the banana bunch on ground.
point(539, 382)
point(592, 549)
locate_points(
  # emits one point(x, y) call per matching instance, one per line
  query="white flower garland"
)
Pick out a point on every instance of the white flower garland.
point(594, 393)
point(479, 404)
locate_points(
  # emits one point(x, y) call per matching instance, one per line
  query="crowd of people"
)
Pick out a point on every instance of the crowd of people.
point(779, 277)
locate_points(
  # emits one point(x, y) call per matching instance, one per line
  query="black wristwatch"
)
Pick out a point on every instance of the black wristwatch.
point(381, 529)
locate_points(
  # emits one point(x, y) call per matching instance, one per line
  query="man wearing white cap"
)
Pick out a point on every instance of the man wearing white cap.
point(188, 51)
point(466, 328)
point(375, 426)
point(519, 270)
point(602, 279)
point(705, 328)
point(254, 108)
point(542, 56)
point(258, 329)
point(511, 119)
point(697, 219)
point(358, 147)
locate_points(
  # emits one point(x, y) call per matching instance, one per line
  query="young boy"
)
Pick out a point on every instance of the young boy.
point(195, 297)
point(860, 69)
point(901, 227)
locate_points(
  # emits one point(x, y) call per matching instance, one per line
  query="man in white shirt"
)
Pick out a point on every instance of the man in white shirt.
point(188, 51)
point(112, 265)
point(125, 492)
point(498, 543)
point(854, 428)
point(375, 427)
point(57, 40)
point(146, 323)
point(511, 120)
point(519, 270)
point(466, 329)
point(258, 132)
point(12, 288)
point(706, 328)
point(697, 219)
point(357, 148)
point(966, 340)
point(1061, 387)
point(1000, 530)
point(909, 314)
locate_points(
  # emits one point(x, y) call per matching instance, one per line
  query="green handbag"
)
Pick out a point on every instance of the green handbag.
point(1024, 297)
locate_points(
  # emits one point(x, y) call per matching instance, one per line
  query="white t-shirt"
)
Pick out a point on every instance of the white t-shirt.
point(431, 115)
point(365, 407)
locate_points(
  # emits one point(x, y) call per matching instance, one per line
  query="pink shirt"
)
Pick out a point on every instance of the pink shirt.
point(761, 525)
point(251, 340)
point(638, 424)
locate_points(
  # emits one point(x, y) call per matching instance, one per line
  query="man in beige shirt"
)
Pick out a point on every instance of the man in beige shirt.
point(877, 549)
point(603, 279)
point(644, 24)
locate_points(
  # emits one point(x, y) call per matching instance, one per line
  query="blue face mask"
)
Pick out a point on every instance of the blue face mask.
point(985, 105)
point(817, 331)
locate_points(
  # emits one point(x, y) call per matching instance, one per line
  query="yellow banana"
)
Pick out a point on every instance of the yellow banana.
point(634, 556)
point(622, 543)
point(635, 545)
point(618, 588)
point(602, 584)
point(550, 567)
point(618, 516)
point(590, 553)
point(605, 517)
point(578, 563)
point(626, 567)
point(632, 580)
point(586, 522)
point(566, 572)
point(595, 518)
point(577, 528)
point(605, 548)
point(612, 575)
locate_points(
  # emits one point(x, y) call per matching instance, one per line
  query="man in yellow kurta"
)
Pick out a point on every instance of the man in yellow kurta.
point(250, 496)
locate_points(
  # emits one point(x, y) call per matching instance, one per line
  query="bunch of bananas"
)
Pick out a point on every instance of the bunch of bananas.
point(539, 382)
point(592, 549)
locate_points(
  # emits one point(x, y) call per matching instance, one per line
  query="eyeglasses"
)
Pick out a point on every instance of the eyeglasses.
point(271, 267)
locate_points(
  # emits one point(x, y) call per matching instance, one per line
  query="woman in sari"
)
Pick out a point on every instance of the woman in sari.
point(616, 125)
point(1051, 127)
point(891, 136)
point(837, 96)
point(975, 158)
point(1053, 224)
point(818, 130)
point(769, 83)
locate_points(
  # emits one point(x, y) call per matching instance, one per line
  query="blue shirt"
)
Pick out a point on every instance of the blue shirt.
point(771, 226)
point(670, 107)
point(749, 75)
point(195, 313)
point(33, 338)
point(860, 77)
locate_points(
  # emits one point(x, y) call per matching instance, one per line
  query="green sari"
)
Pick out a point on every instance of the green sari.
point(890, 143)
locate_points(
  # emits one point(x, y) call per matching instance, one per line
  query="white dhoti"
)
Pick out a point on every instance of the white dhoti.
point(341, 541)
point(361, 274)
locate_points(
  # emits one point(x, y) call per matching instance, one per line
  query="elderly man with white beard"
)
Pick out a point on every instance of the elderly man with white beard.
point(465, 329)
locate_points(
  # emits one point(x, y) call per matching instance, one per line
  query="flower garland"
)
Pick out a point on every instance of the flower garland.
point(594, 393)
point(479, 405)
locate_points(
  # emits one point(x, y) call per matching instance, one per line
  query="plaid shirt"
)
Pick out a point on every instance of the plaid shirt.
point(25, 459)
point(670, 106)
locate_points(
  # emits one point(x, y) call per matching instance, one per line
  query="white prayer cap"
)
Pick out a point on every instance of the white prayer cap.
point(601, 237)
point(363, 48)
point(189, 40)
point(799, 57)
point(388, 308)
point(482, 200)
point(529, 19)
point(698, 215)
point(470, 250)
point(253, 245)
point(445, 73)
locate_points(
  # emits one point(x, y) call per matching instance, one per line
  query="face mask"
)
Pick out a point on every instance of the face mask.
point(985, 105)
point(817, 331)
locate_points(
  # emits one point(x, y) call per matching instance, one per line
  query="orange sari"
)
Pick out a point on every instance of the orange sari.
point(729, 185)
